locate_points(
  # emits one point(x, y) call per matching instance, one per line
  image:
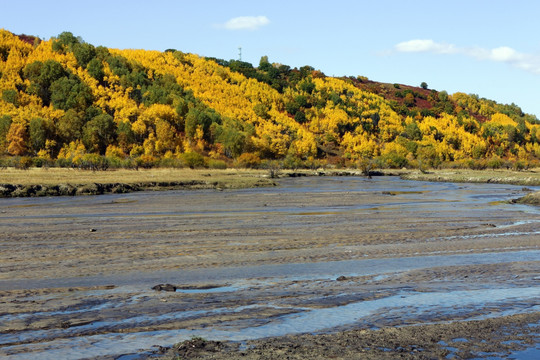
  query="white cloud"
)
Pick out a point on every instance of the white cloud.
point(504, 54)
point(246, 23)
point(425, 46)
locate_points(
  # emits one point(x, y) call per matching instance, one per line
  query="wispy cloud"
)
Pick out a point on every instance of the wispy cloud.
point(504, 54)
point(246, 23)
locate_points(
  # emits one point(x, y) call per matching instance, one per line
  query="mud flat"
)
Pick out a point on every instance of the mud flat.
point(505, 337)
point(318, 267)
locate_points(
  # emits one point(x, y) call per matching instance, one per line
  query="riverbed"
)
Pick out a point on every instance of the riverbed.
point(315, 255)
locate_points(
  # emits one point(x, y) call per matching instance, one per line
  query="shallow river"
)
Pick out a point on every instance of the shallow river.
point(313, 255)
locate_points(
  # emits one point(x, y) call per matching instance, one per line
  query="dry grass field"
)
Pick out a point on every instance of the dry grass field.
point(53, 176)
point(529, 177)
point(244, 177)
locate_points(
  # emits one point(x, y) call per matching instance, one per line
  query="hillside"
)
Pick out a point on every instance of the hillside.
point(65, 102)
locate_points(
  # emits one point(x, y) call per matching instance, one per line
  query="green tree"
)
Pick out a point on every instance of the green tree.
point(300, 117)
point(38, 134)
point(424, 85)
point(232, 138)
point(200, 118)
point(95, 69)
point(83, 53)
point(11, 96)
point(64, 41)
point(125, 136)
point(443, 95)
point(42, 76)
point(412, 132)
point(118, 65)
point(70, 93)
point(98, 133)
point(264, 64)
point(307, 85)
point(69, 127)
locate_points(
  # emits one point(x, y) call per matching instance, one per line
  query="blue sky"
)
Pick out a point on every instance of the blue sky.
point(486, 47)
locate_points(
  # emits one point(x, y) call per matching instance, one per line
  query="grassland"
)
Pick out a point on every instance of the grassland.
point(61, 181)
point(55, 176)
point(529, 177)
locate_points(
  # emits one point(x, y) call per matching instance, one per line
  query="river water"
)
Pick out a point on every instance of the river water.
point(466, 255)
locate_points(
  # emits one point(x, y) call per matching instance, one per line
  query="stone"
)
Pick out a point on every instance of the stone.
point(164, 287)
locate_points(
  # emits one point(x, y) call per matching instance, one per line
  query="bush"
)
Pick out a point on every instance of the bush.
point(520, 165)
point(248, 160)
point(193, 160)
point(171, 163)
point(92, 162)
point(292, 162)
point(24, 162)
point(495, 163)
point(64, 163)
point(476, 164)
point(115, 162)
point(145, 161)
point(274, 168)
point(392, 160)
point(40, 162)
point(217, 164)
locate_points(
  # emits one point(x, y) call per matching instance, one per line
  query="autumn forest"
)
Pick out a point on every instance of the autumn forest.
point(68, 103)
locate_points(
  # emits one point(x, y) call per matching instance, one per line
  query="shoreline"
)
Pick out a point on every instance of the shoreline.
point(67, 189)
point(525, 178)
point(40, 182)
point(52, 182)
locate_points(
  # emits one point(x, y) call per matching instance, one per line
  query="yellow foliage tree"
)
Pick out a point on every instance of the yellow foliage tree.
point(17, 138)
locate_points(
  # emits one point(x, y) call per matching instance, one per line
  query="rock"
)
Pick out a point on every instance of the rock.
point(66, 189)
point(93, 230)
point(342, 278)
point(24, 191)
point(121, 189)
point(6, 189)
point(90, 189)
point(164, 287)
point(296, 174)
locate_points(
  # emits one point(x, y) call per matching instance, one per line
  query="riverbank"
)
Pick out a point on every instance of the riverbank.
point(38, 182)
point(69, 182)
point(526, 178)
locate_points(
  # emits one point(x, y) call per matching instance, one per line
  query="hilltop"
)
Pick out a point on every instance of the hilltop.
point(68, 103)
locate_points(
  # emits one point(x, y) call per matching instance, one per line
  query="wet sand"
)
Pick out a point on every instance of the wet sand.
point(76, 273)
